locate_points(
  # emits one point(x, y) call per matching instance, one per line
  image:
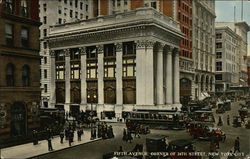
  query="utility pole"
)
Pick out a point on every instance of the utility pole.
point(234, 14)
point(241, 10)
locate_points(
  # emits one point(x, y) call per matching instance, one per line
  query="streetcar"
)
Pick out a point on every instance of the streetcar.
point(158, 119)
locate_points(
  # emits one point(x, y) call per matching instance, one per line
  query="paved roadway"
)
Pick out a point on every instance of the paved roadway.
point(95, 150)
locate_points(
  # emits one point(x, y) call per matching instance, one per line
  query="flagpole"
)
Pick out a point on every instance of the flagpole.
point(241, 10)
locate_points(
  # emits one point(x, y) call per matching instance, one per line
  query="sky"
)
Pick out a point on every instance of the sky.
point(225, 12)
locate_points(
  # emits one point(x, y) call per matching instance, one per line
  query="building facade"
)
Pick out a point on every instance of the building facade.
point(19, 65)
point(52, 13)
point(241, 29)
point(122, 62)
point(203, 47)
point(227, 54)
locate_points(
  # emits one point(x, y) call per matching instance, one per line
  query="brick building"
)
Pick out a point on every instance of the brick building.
point(19, 68)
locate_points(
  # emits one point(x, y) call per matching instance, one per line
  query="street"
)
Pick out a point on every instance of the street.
point(95, 150)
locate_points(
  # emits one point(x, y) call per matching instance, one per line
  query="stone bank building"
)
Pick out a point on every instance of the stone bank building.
point(116, 63)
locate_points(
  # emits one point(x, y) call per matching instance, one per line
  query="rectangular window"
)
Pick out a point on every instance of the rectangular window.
point(24, 8)
point(109, 50)
point(45, 88)
point(218, 36)
point(218, 66)
point(118, 3)
point(59, 10)
point(81, 16)
point(218, 77)
point(44, 32)
point(76, 15)
point(125, 2)
point(153, 5)
point(218, 45)
point(74, 54)
point(91, 52)
point(81, 5)
point(76, 3)
point(87, 8)
point(44, 20)
point(92, 69)
point(65, 1)
point(25, 37)
point(9, 36)
point(44, 45)
point(109, 68)
point(70, 3)
point(218, 55)
point(129, 48)
point(44, 7)
point(60, 71)
point(9, 6)
point(129, 68)
point(65, 11)
point(75, 70)
point(60, 20)
point(71, 13)
point(59, 56)
point(45, 74)
point(45, 60)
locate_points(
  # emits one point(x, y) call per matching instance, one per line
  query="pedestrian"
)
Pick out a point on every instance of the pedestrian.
point(61, 136)
point(79, 134)
point(124, 138)
point(237, 145)
point(49, 144)
point(220, 123)
point(217, 142)
point(94, 133)
point(129, 138)
point(228, 120)
point(35, 137)
point(120, 149)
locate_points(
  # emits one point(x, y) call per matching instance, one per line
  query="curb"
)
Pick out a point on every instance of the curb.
point(63, 149)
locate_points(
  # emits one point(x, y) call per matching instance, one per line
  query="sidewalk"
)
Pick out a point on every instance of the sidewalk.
point(29, 150)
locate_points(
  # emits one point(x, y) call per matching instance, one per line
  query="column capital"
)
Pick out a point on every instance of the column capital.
point(100, 49)
point(170, 49)
point(141, 44)
point(52, 53)
point(82, 50)
point(66, 52)
point(118, 47)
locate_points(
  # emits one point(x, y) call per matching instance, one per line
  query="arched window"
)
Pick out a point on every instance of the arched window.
point(10, 74)
point(24, 8)
point(26, 75)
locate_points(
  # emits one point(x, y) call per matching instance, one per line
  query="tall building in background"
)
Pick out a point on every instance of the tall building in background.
point(227, 71)
point(56, 12)
point(203, 47)
point(19, 68)
point(241, 29)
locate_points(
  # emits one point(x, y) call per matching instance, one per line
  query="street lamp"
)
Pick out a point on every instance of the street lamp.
point(91, 103)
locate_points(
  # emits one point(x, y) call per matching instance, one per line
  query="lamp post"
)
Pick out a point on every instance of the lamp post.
point(91, 113)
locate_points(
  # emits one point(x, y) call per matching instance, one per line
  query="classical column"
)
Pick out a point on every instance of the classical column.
point(176, 75)
point(100, 75)
point(119, 97)
point(169, 77)
point(140, 73)
point(83, 79)
point(53, 79)
point(149, 73)
point(159, 76)
point(67, 79)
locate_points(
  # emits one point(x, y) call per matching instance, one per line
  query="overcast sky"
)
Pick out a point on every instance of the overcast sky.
point(225, 12)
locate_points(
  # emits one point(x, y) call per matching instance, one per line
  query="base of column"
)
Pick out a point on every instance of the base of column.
point(83, 107)
point(67, 107)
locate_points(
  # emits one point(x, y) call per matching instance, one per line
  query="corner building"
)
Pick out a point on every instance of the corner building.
point(19, 69)
point(121, 62)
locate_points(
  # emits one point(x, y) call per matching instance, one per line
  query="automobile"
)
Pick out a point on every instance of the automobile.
point(236, 121)
point(182, 145)
point(248, 124)
point(157, 143)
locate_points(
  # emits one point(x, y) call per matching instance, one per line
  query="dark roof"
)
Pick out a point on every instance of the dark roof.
point(181, 142)
point(157, 137)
